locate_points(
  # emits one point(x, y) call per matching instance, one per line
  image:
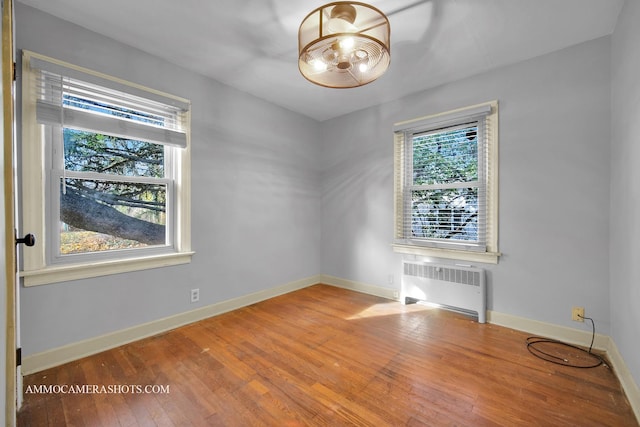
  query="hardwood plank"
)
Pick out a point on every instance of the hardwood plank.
point(327, 356)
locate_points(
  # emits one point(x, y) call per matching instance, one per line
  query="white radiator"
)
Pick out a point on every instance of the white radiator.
point(454, 287)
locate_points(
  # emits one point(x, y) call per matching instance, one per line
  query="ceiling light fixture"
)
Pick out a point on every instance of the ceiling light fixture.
point(343, 45)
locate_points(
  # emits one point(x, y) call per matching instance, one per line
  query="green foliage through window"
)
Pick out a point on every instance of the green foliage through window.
point(94, 152)
point(444, 195)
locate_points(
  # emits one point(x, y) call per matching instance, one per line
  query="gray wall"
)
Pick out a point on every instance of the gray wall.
point(256, 198)
point(625, 187)
point(554, 184)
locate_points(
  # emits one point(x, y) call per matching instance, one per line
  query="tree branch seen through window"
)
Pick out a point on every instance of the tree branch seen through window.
point(131, 211)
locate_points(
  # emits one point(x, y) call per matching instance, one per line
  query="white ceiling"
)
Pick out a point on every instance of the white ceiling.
point(252, 44)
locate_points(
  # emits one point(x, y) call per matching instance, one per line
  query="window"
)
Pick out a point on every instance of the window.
point(446, 185)
point(105, 168)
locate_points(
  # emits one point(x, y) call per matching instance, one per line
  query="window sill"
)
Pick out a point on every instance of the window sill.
point(484, 257)
point(64, 273)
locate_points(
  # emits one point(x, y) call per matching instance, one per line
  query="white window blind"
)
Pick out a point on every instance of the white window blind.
point(444, 196)
point(69, 97)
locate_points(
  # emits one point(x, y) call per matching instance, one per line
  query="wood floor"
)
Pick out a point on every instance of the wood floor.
point(325, 356)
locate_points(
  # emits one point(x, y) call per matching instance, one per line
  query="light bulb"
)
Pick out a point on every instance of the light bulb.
point(318, 64)
point(363, 68)
point(347, 43)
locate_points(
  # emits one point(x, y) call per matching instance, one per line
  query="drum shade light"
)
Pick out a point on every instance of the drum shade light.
point(344, 45)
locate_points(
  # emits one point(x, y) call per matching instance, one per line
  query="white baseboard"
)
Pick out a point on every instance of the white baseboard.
point(624, 376)
point(364, 288)
point(60, 355)
point(549, 330)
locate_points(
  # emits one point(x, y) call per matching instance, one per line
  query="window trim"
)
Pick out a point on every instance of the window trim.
point(35, 269)
point(403, 245)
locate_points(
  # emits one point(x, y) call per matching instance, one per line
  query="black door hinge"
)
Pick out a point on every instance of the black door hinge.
point(18, 357)
point(15, 72)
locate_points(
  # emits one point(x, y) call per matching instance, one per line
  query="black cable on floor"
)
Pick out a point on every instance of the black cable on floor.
point(535, 344)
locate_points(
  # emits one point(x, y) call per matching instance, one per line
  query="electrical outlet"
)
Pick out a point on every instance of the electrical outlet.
point(396, 295)
point(577, 314)
point(195, 295)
